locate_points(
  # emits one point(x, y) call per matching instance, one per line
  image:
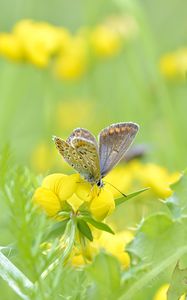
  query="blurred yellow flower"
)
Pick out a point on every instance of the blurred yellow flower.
point(42, 158)
point(40, 40)
point(174, 65)
point(10, 46)
point(113, 244)
point(121, 180)
point(84, 107)
point(105, 42)
point(43, 44)
point(161, 294)
point(58, 188)
point(72, 62)
point(158, 179)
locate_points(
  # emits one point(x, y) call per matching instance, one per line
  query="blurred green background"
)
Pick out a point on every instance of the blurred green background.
point(127, 87)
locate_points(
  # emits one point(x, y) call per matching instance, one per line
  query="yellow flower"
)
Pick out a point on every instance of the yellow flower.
point(39, 40)
point(161, 294)
point(105, 42)
point(103, 204)
point(10, 46)
point(158, 178)
point(174, 65)
point(58, 188)
point(121, 178)
point(113, 244)
point(71, 63)
point(47, 200)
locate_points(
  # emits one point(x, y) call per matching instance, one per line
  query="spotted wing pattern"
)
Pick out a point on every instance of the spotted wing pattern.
point(89, 151)
point(113, 143)
point(81, 152)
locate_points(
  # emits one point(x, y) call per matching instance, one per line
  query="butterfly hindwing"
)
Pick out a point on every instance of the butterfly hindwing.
point(82, 133)
point(71, 156)
point(89, 151)
point(81, 154)
point(114, 141)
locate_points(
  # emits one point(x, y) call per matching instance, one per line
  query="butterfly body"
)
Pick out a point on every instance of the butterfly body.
point(92, 159)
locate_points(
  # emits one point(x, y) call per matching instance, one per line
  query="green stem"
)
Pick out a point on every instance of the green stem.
point(69, 238)
point(83, 247)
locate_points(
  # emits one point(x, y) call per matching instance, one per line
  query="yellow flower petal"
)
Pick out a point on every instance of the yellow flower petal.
point(53, 182)
point(75, 202)
point(62, 185)
point(115, 245)
point(102, 205)
point(68, 186)
point(84, 191)
point(10, 46)
point(158, 178)
point(47, 200)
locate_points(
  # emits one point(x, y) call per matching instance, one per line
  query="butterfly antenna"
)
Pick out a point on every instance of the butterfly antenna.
point(116, 189)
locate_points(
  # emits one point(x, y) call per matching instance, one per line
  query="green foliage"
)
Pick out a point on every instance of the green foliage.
point(84, 229)
point(106, 278)
point(159, 243)
point(99, 225)
point(178, 284)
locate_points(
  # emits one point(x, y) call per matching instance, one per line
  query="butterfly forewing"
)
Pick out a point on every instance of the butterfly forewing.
point(113, 143)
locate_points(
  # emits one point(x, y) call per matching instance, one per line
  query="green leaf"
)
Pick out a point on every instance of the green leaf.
point(68, 239)
point(21, 285)
point(56, 229)
point(98, 225)
point(178, 284)
point(66, 207)
point(130, 196)
point(158, 244)
point(84, 229)
point(177, 203)
point(106, 276)
point(156, 224)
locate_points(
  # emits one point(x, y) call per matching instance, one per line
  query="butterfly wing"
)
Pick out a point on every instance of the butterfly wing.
point(81, 153)
point(82, 133)
point(113, 143)
point(70, 155)
point(89, 151)
point(86, 145)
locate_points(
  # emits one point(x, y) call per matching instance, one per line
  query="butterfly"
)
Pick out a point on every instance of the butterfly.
point(94, 160)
